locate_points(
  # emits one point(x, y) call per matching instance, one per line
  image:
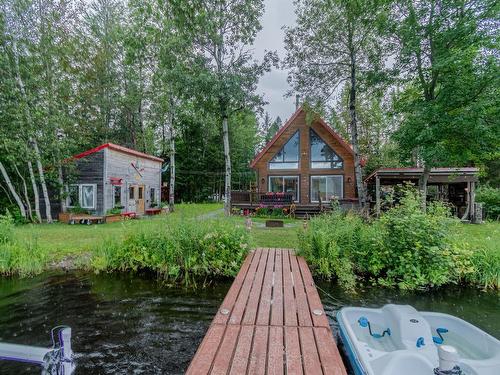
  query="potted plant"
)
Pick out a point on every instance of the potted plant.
point(164, 207)
point(114, 214)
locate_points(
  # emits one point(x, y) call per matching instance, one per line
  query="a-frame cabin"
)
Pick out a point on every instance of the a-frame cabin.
point(310, 161)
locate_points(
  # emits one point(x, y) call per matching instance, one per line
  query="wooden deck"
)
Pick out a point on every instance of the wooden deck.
point(271, 322)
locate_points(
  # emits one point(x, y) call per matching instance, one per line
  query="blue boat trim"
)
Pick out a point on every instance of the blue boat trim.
point(351, 352)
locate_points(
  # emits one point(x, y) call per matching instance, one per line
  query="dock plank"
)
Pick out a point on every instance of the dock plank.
point(277, 301)
point(270, 322)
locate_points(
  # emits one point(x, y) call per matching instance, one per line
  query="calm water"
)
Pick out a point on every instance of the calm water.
point(121, 324)
point(125, 324)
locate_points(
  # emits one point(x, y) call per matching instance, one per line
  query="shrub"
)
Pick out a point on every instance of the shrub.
point(406, 247)
point(183, 251)
point(490, 197)
point(416, 250)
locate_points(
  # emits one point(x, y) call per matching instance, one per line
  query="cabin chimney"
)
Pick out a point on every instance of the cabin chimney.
point(297, 101)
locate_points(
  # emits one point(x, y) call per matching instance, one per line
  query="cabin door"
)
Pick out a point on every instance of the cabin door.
point(140, 200)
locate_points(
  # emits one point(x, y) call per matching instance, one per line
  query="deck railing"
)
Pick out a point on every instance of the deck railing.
point(267, 199)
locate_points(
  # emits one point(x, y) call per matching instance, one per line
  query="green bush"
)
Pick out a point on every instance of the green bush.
point(406, 247)
point(490, 197)
point(416, 246)
point(182, 251)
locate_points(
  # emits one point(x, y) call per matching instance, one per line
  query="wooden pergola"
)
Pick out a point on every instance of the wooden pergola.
point(454, 185)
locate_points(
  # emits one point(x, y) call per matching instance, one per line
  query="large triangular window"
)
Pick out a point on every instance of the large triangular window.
point(288, 156)
point(322, 155)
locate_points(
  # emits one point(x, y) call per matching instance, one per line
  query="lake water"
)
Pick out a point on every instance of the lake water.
point(130, 324)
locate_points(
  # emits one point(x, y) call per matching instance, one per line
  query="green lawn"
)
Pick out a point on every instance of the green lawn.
point(63, 239)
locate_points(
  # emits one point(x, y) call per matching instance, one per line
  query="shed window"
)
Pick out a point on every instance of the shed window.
point(322, 155)
point(131, 192)
point(285, 184)
point(288, 156)
point(83, 195)
point(88, 196)
point(73, 196)
point(117, 196)
point(326, 188)
point(152, 196)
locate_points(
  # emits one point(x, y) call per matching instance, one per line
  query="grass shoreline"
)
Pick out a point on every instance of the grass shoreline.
point(64, 247)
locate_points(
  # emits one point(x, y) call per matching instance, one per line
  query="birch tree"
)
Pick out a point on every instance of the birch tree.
point(335, 42)
point(226, 76)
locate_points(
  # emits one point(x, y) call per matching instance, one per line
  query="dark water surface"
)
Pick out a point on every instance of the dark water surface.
point(121, 324)
point(130, 324)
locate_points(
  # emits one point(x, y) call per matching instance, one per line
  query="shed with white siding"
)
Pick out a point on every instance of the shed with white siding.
point(112, 176)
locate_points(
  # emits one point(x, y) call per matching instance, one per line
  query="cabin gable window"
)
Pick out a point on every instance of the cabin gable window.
point(327, 188)
point(285, 184)
point(322, 155)
point(288, 156)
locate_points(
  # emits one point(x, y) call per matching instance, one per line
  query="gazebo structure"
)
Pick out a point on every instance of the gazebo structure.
point(453, 185)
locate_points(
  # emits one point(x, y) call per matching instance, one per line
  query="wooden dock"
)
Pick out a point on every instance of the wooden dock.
point(271, 322)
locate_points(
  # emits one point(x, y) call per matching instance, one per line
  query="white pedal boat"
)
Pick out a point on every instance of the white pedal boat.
point(399, 340)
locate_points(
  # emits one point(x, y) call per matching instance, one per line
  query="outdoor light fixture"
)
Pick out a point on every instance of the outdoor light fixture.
point(349, 180)
point(263, 181)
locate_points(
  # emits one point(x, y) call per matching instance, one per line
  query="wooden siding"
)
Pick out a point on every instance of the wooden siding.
point(119, 164)
point(88, 170)
point(305, 172)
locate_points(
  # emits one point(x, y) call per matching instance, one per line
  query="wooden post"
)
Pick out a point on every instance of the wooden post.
point(472, 209)
point(467, 210)
point(377, 195)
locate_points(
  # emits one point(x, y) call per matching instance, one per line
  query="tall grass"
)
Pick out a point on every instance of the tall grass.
point(21, 257)
point(181, 251)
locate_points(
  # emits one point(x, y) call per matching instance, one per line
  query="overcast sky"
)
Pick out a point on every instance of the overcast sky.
point(273, 85)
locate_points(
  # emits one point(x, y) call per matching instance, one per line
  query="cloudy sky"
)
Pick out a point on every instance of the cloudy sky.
point(273, 85)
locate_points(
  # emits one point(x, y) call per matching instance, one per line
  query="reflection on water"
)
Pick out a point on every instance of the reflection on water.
point(121, 324)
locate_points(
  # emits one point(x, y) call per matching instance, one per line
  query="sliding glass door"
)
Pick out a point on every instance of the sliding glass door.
point(327, 187)
point(285, 184)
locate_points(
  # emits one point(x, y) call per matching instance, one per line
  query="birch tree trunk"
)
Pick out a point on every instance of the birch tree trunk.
point(227, 159)
point(354, 135)
point(41, 173)
point(171, 192)
point(423, 185)
point(35, 192)
point(13, 190)
point(26, 195)
point(32, 140)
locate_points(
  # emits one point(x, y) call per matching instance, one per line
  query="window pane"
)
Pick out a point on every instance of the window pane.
point(131, 193)
point(117, 195)
point(326, 188)
point(322, 156)
point(88, 196)
point(291, 186)
point(141, 189)
point(284, 165)
point(152, 196)
point(73, 196)
point(289, 152)
point(276, 184)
